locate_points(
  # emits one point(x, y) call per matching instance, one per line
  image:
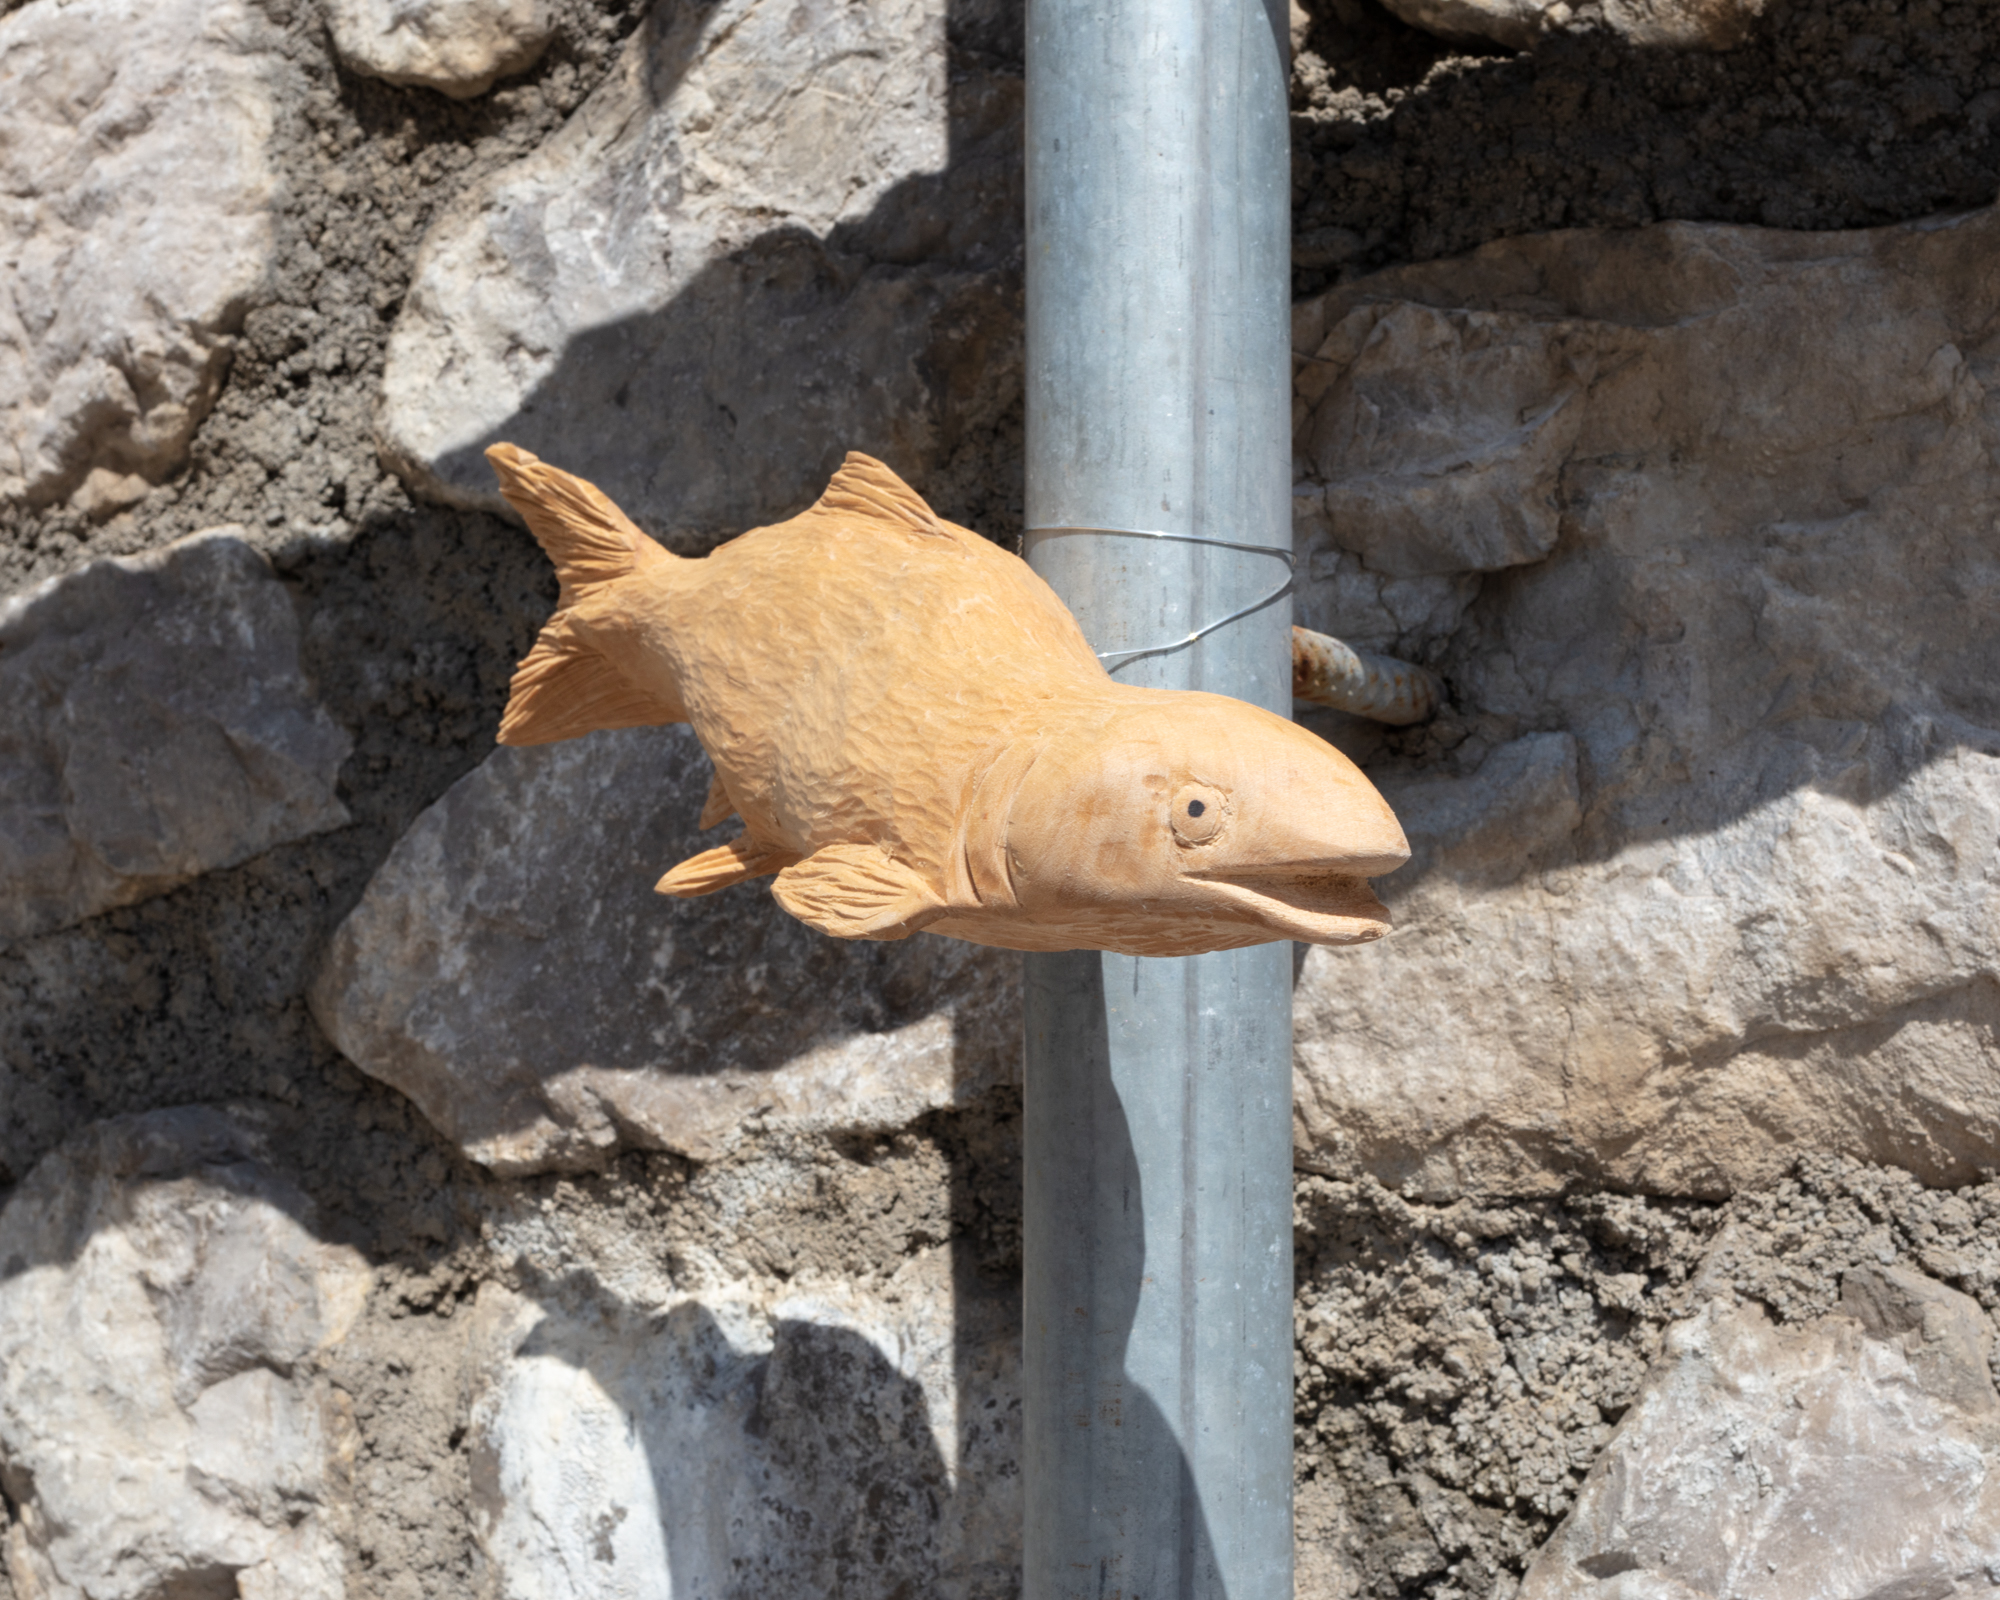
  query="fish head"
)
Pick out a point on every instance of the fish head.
point(1181, 811)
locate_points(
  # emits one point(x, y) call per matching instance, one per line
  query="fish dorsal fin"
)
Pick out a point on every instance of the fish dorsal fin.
point(863, 487)
point(587, 537)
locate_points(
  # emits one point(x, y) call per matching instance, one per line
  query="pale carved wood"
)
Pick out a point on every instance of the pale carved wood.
point(916, 735)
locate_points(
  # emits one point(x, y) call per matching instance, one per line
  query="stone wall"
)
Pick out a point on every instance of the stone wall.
point(397, 1199)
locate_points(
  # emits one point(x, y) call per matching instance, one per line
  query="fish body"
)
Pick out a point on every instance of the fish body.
point(916, 735)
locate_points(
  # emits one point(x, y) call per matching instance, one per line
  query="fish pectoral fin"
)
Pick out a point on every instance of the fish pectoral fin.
point(563, 690)
point(718, 807)
point(857, 891)
point(740, 859)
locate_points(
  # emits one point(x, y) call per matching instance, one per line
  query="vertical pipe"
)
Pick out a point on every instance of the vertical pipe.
point(1157, 1357)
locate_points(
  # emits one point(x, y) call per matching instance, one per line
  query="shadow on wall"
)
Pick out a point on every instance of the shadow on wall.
point(529, 884)
point(820, 1444)
point(1680, 555)
point(897, 333)
point(1825, 115)
point(734, 405)
point(1697, 632)
point(747, 1442)
point(731, 404)
point(807, 1439)
point(713, 1462)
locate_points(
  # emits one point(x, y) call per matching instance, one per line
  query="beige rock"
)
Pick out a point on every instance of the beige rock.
point(154, 725)
point(1322, 1565)
point(1438, 435)
point(1517, 24)
point(511, 970)
point(1715, 874)
point(820, 1439)
point(136, 193)
point(1946, 1335)
point(163, 1427)
point(739, 259)
point(1849, 1457)
point(455, 46)
point(104, 493)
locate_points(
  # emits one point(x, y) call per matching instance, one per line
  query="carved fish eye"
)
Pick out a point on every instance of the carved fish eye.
point(1197, 813)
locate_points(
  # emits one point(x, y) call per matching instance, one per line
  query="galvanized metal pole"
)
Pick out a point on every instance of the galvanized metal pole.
point(1157, 1361)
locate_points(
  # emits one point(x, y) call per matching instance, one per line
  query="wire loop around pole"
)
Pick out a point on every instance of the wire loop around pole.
point(1113, 659)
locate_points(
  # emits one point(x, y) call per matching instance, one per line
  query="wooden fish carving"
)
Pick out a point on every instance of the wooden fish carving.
point(916, 735)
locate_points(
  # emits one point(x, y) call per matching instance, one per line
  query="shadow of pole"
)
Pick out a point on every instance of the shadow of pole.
point(1101, 1458)
point(622, 1449)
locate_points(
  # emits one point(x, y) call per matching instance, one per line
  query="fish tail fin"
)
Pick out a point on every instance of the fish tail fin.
point(588, 538)
point(566, 686)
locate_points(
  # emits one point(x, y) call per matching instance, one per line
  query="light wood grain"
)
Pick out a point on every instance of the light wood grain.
point(916, 735)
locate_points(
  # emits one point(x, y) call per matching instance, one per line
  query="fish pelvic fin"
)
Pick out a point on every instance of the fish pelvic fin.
point(857, 891)
point(718, 807)
point(741, 859)
point(863, 487)
point(566, 686)
point(564, 689)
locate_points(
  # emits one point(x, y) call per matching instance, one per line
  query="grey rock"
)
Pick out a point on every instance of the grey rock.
point(772, 235)
point(1707, 850)
point(154, 724)
point(136, 196)
point(1947, 1337)
point(817, 1439)
point(457, 47)
point(511, 970)
point(1521, 805)
point(1517, 24)
point(1817, 1462)
point(164, 1428)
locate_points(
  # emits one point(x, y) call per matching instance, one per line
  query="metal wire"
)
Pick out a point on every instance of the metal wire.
point(1113, 659)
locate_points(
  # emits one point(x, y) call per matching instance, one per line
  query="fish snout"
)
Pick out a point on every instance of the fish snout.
point(1301, 865)
point(1348, 833)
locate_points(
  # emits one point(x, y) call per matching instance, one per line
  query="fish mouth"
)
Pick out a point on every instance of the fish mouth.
point(1310, 902)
